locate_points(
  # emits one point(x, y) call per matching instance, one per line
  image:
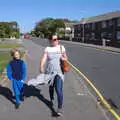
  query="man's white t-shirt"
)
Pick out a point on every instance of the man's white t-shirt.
point(53, 55)
point(56, 49)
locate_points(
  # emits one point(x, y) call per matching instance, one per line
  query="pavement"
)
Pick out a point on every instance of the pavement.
point(79, 103)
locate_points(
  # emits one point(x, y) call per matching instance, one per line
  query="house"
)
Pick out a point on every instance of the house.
point(95, 29)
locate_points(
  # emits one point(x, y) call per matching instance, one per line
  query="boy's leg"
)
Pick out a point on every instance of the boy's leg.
point(21, 90)
point(17, 97)
point(16, 90)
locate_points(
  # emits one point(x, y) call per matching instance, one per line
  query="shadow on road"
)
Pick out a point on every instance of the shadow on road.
point(33, 91)
point(7, 93)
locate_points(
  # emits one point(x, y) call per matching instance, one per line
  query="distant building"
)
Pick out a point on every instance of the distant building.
point(95, 29)
point(69, 30)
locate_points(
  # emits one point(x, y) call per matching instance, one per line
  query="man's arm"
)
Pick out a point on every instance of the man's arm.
point(64, 55)
point(42, 62)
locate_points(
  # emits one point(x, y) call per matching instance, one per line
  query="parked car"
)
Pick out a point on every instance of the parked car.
point(26, 36)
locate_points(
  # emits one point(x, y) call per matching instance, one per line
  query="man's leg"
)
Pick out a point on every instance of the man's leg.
point(51, 92)
point(22, 94)
point(59, 90)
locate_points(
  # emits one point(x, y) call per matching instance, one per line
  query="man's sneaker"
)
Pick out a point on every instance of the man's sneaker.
point(17, 106)
point(60, 112)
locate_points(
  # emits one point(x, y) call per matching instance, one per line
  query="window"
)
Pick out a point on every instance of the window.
point(118, 35)
point(110, 22)
point(103, 34)
point(79, 27)
point(92, 36)
point(78, 34)
point(87, 36)
point(93, 26)
point(109, 36)
point(104, 24)
point(118, 22)
point(87, 26)
point(75, 27)
point(106, 35)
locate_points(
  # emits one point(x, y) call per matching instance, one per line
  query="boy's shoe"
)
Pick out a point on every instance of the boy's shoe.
point(17, 106)
point(60, 111)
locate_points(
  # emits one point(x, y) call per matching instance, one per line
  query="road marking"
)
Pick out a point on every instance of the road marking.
point(28, 54)
point(105, 103)
point(80, 94)
point(107, 50)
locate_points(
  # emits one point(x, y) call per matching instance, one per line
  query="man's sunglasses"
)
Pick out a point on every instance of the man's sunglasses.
point(54, 39)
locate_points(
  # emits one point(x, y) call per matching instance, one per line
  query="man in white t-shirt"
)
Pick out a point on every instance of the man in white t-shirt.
point(52, 55)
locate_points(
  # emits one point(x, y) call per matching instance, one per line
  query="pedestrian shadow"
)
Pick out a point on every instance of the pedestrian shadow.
point(7, 93)
point(33, 91)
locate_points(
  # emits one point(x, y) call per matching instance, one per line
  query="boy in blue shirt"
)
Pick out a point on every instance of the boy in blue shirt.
point(16, 72)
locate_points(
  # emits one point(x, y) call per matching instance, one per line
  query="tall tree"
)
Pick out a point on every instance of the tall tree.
point(9, 29)
point(48, 26)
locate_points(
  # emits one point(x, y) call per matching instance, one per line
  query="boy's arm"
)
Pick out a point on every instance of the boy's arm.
point(9, 72)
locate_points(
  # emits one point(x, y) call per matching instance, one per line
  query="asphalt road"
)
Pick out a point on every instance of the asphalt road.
point(101, 67)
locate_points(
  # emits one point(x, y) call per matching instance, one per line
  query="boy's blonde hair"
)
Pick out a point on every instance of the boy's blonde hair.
point(14, 50)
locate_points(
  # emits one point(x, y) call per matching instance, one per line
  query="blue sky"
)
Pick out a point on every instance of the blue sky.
point(28, 12)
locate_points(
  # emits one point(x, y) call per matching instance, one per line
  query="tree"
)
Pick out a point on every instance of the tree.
point(2, 30)
point(48, 27)
point(9, 29)
point(15, 29)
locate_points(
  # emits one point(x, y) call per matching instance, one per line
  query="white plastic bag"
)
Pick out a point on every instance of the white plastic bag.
point(32, 82)
point(41, 79)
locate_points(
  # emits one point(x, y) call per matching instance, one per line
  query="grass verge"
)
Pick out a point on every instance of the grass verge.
point(4, 58)
point(10, 45)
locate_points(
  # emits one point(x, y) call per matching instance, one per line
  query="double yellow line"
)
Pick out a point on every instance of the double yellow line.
point(105, 103)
